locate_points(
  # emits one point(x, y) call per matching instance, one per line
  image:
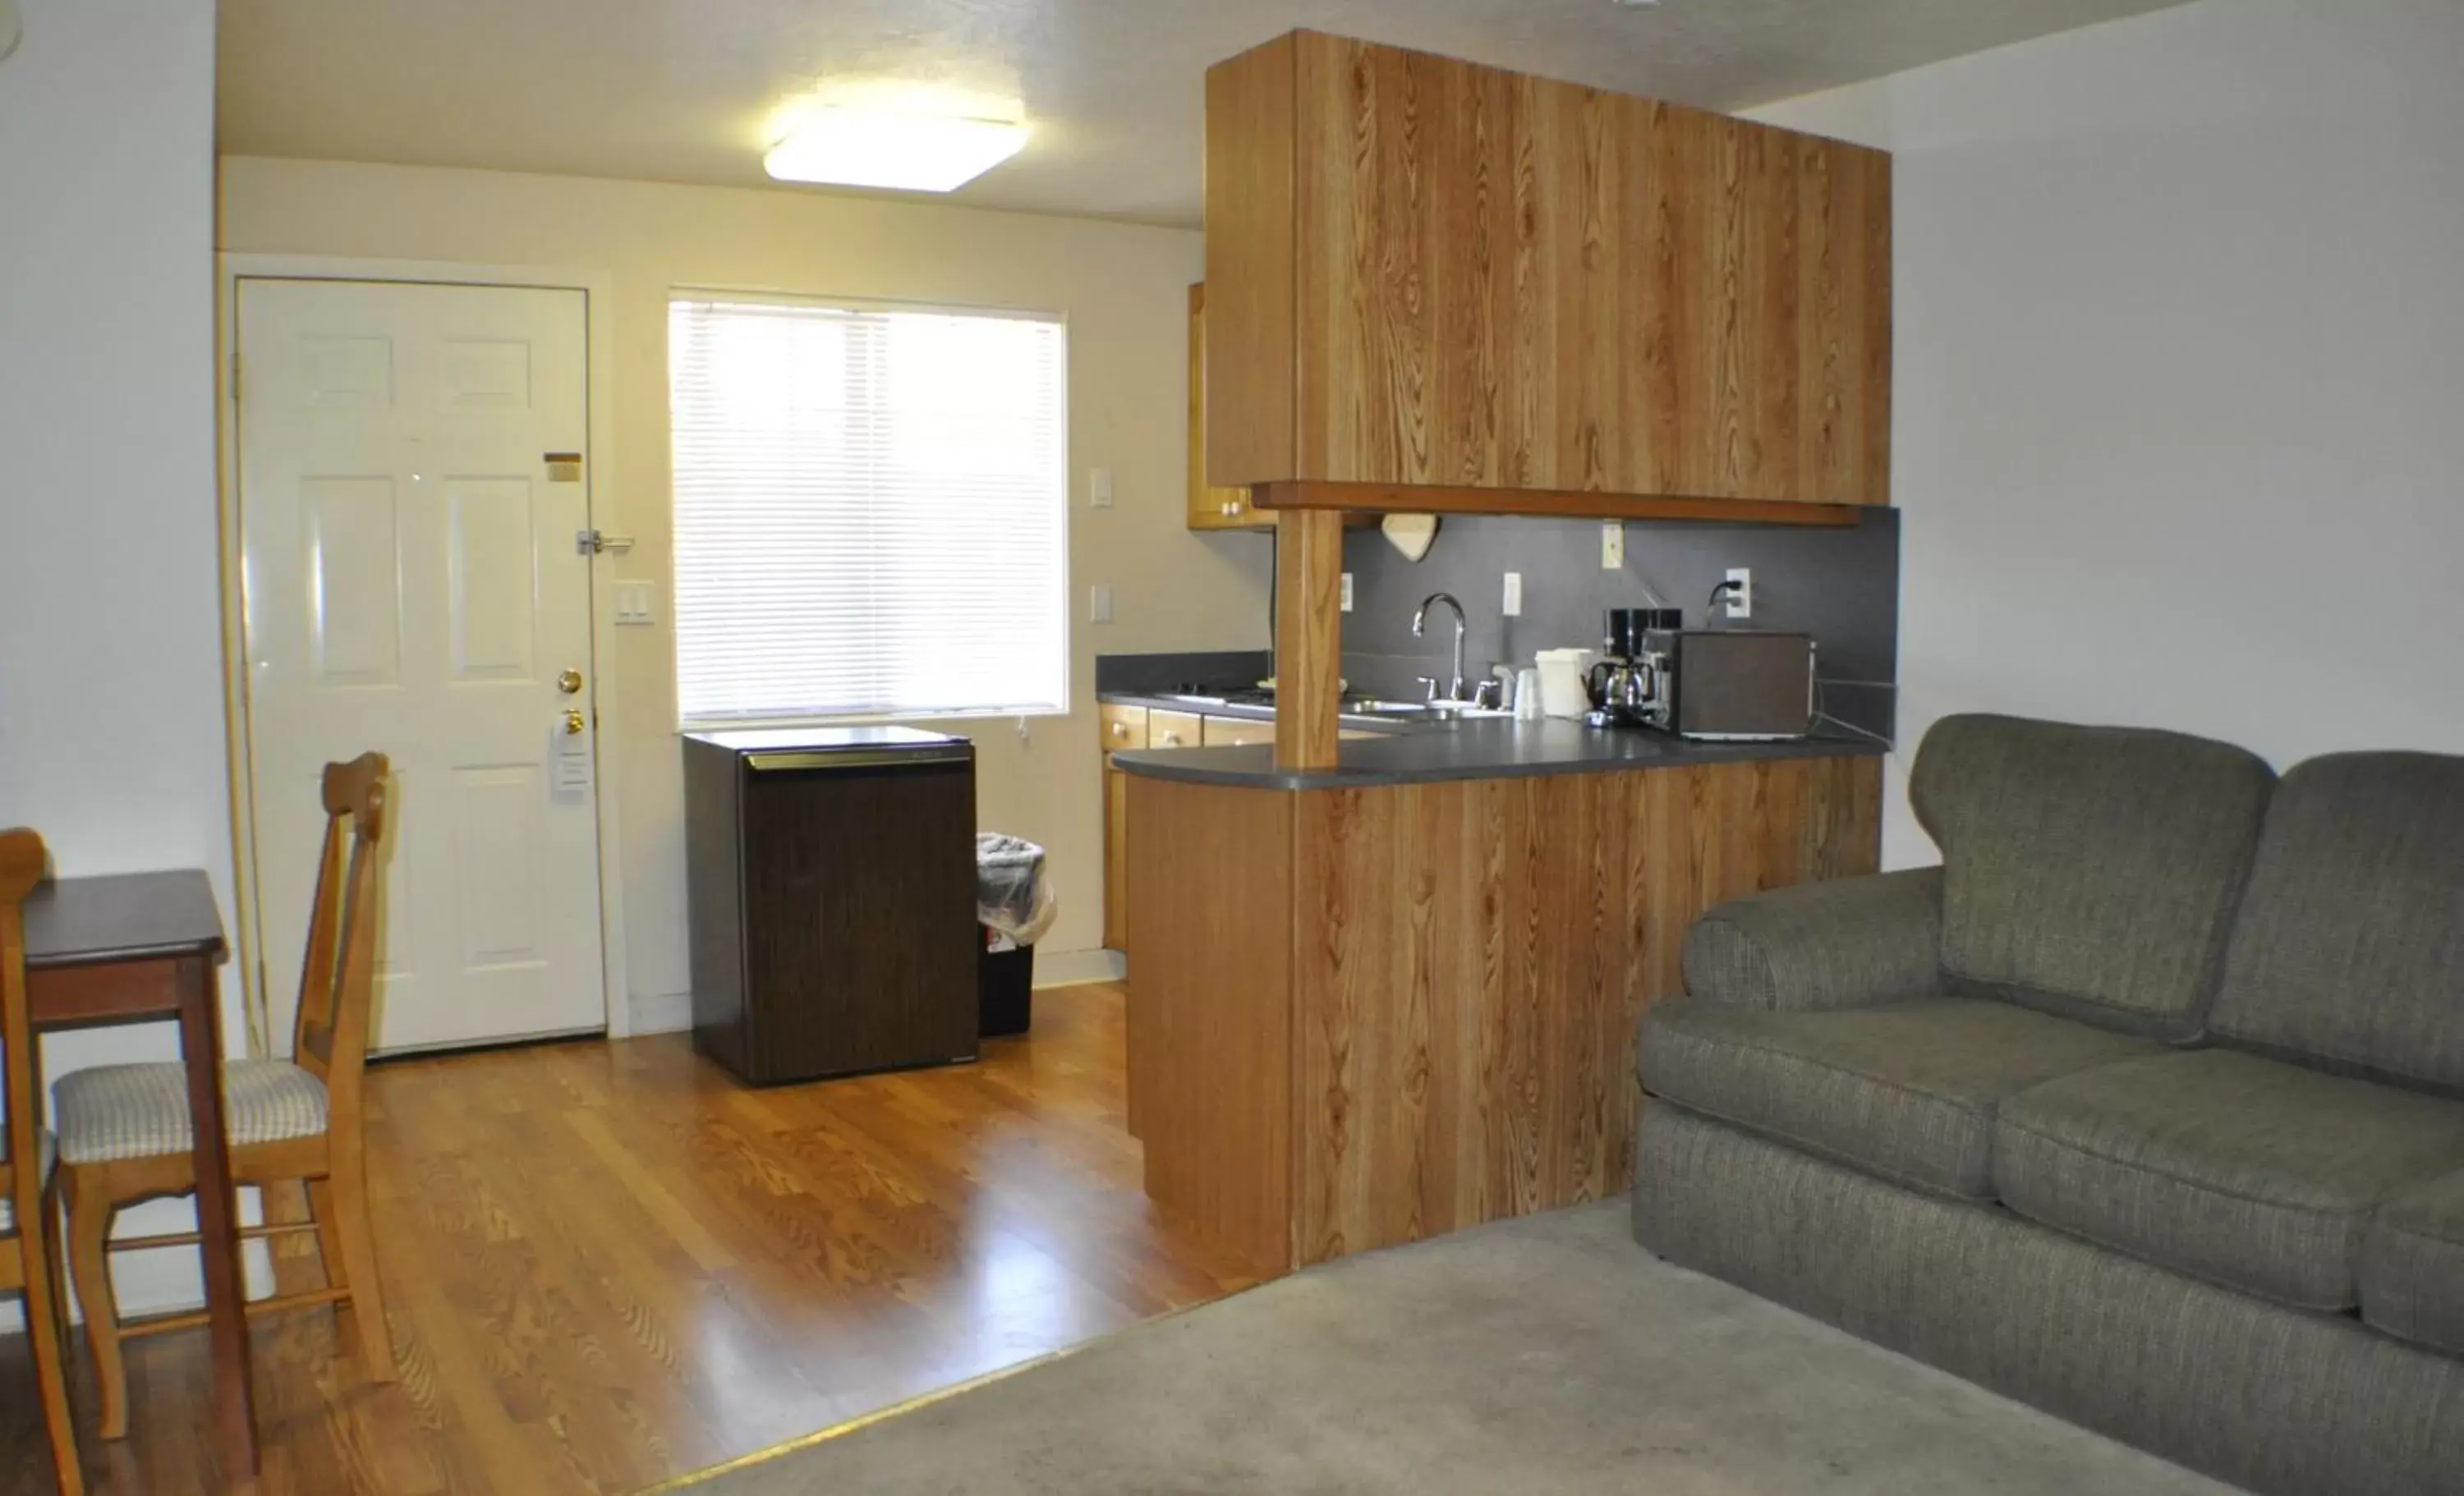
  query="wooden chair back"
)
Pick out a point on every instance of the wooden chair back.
point(338, 974)
point(21, 867)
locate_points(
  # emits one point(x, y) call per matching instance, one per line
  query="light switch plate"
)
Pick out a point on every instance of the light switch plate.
point(637, 603)
point(1613, 545)
point(1512, 605)
point(1099, 489)
point(1346, 592)
point(1099, 603)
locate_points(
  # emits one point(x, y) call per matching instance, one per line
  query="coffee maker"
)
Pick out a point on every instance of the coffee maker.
point(1629, 688)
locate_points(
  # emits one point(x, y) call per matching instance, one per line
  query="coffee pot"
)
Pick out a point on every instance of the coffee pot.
point(1625, 689)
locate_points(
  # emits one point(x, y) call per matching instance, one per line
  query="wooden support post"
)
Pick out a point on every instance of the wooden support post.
point(1308, 637)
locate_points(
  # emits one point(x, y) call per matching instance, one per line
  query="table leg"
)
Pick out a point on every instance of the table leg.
point(201, 1049)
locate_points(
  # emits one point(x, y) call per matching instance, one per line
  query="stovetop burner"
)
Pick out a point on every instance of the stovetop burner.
point(1241, 695)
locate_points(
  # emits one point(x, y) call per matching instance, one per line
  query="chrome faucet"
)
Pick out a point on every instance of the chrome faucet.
point(1419, 631)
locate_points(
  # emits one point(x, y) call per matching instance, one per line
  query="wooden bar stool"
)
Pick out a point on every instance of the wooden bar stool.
point(125, 1133)
point(28, 1260)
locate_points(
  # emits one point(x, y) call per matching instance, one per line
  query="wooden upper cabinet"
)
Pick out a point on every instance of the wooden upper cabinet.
point(1424, 271)
point(1210, 508)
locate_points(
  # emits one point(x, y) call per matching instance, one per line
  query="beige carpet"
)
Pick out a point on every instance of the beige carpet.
point(1548, 1355)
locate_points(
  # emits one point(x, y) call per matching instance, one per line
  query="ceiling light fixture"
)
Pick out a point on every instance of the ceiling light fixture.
point(909, 152)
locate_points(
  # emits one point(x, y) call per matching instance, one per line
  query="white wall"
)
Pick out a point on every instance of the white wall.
point(111, 696)
point(1124, 289)
point(2180, 375)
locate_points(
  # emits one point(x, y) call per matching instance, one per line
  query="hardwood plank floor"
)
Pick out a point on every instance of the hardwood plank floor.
point(608, 1265)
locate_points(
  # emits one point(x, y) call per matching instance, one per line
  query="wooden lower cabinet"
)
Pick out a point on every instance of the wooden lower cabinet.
point(1362, 1017)
point(1116, 859)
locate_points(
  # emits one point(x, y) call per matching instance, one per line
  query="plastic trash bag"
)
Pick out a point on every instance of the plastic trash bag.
point(1012, 896)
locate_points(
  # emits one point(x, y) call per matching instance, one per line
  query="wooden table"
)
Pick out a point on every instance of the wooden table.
point(138, 948)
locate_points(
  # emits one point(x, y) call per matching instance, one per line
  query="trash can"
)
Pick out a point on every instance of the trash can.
point(1015, 905)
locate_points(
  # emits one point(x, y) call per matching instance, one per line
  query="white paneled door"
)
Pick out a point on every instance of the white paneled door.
point(412, 476)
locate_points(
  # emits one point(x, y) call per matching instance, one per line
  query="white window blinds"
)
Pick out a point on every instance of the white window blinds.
point(871, 511)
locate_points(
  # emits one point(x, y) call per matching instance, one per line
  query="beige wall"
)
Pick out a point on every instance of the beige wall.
point(111, 682)
point(2179, 333)
point(1123, 289)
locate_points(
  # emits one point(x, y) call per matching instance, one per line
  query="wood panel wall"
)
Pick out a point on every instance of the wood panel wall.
point(1210, 1008)
point(1499, 281)
point(1476, 960)
point(1465, 966)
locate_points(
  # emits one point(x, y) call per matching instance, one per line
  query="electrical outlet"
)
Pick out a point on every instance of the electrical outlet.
point(1099, 603)
point(1346, 592)
point(1613, 545)
point(1740, 592)
point(1512, 605)
point(1099, 489)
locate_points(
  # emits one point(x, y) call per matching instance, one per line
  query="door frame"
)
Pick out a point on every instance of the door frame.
point(597, 287)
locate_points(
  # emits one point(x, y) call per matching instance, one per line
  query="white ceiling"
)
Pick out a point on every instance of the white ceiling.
point(692, 90)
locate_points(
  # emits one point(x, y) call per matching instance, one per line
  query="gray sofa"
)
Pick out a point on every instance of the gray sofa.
point(2146, 1107)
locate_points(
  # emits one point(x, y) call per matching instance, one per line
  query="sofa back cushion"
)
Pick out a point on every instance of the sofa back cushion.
point(2089, 872)
point(2350, 948)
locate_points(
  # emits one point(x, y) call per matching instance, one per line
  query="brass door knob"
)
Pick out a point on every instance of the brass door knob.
point(572, 722)
point(569, 682)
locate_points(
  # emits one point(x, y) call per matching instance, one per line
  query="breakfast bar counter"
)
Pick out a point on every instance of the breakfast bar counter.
point(1476, 749)
point(1397, 997)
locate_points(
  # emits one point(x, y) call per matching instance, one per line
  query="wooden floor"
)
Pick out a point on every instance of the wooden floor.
point(608, 1265)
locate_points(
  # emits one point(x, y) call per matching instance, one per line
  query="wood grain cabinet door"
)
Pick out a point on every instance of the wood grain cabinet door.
point(1116, 859)
point(1434, 273)
point(1210, 508)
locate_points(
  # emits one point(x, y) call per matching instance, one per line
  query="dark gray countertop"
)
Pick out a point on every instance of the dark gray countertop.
point(1477, 750)
point(1208, 706)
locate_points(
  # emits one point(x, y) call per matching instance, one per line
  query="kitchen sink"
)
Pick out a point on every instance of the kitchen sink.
point(1448, 710)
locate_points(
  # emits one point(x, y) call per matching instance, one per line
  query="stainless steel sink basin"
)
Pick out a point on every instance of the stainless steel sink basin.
point(1448, 710)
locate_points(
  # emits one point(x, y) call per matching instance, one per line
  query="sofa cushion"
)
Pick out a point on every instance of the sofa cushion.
point(2349, 947)
point(1905, 1091)
point(2090, 871)
point(1841, 943)
point(2412, 1265)
point(2251, 1173)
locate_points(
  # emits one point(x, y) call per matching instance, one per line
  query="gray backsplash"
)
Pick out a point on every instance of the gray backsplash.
point(1840, 585)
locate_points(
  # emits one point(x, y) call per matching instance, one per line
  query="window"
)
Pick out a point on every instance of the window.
point(872, 510)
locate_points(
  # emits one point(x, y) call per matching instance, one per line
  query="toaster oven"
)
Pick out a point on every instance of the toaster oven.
point(1733, 683)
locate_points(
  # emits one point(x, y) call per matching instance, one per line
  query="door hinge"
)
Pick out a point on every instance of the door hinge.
point(591, 542)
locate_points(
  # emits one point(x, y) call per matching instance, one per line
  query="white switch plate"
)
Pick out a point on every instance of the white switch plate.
point(1741, 596)
point(637, 603)
point(1099, 603)
point(1512, 607)
point(1346, 592)
point(1613, 545)
point(1099, 489)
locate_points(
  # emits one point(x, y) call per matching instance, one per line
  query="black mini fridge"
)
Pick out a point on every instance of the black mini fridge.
point(831, 899)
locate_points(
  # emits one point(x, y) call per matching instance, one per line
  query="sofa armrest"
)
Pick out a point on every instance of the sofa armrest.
point(1821, 945)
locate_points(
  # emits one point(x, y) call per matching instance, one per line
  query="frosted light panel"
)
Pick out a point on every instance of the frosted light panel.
point(914, 152)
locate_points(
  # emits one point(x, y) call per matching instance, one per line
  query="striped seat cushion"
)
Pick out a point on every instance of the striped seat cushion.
point(141, 1110)
point(44, 1151)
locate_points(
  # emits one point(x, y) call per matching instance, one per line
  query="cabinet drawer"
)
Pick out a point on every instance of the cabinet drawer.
point(1124, 728)
point(1228, 731)
point(1174, 729)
